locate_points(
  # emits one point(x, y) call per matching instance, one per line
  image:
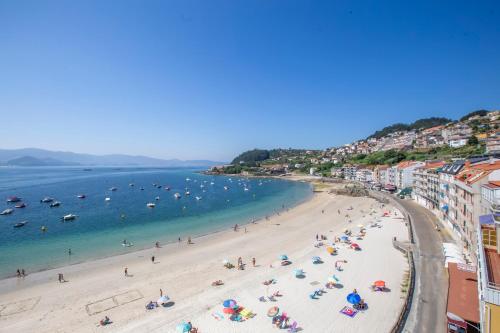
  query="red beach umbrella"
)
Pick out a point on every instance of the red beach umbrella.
point(379, 283)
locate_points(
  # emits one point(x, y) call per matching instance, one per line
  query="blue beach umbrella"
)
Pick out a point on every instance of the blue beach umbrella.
point(353, 298)
point(283, 257)
point(298, 272)
point(316, 258)
point(344, 238)
point(183, 328)
point(229, 303)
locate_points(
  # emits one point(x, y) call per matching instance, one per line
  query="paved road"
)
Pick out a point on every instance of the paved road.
point(428, 311)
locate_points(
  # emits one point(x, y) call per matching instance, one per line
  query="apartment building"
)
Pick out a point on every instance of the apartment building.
point(448, 194)
point(426, 185)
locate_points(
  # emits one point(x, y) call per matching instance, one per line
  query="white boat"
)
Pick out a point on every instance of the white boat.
point(150, 205)
point(107, 199)
point(198, 198)
point(69, 217)
point(246, 189)
point(212, 183)
point(47, 200)
point(177, 196)
point(112, 189)
point(202, 186)
point(7, 211)
point(131, 184)
point(55, 204)
point(81, 196)
point(157, 198)
point(226, 188)
point(188, 179)
point(187, 193)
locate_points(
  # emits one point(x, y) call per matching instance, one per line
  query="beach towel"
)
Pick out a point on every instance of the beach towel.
point(348, 311)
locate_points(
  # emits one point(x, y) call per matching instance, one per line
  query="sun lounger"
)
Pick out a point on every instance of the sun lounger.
point(271, 298)
point(246, 313)
point(348, 311)
point(262, 299)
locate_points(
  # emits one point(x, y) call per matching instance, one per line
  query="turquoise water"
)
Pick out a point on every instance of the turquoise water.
point(101, 226)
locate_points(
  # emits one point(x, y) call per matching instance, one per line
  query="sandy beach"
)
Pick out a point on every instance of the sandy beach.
point(39, 303)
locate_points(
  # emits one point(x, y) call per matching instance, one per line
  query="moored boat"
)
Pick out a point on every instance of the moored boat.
point(20, 224)
point(47, 200)
point(13, 199)
point(20, 205)
point(150, 205)
point(7, 211)
point(69, 217)
point(55, 204)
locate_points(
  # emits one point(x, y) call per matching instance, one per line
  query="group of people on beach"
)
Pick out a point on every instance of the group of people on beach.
point(20, 273)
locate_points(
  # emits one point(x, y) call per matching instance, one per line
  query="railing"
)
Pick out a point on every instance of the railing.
point(489, 291)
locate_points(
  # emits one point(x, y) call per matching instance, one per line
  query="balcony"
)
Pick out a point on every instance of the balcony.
point(489, 288)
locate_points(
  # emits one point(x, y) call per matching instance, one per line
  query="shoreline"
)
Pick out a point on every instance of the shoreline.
point(309, 197)
point(184, 272)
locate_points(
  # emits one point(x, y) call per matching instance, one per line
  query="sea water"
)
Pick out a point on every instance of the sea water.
point(101, 226)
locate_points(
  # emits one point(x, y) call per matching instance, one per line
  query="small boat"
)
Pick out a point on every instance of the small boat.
point(142, 188)
point(167, 188)
point(158, 186)
point(20, 205)
point(69, 217)
point(246, 189)
point(187, 193)
point(157, 198)
point(20, 224)
point(13, 199)
point(212, 183)
point(47, 200)
point(7, 211)
point(202, 186)
point(177, 196)
point(107, 199)
point(226, 188)
point(198, 198)
point(188, 179)
point(81, 196)
point(55, 204)
point(131, 184)
point(150, 205)
point(43, 228)
point(112, 189)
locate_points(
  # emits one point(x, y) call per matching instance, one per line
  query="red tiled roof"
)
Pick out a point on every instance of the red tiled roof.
point(463, 299)
point(493, 263)
point(476, 172)
point(433, 165)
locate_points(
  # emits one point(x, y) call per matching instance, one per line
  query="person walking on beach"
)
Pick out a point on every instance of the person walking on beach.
point(253, 262)
point(153, 259)
point(126, 271)
point(61, 278)
point(161, 292)
point(23, 273)
point(157, 245)
point(316, 237)
point(236, 227)
point(189, 240)
point(179, 239)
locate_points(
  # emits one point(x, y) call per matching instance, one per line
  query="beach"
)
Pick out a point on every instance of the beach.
point(94, 289)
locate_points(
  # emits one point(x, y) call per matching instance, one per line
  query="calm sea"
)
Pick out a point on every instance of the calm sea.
point(101, 226)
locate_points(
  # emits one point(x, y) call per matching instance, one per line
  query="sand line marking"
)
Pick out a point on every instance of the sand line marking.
point(114, 301)
point(19, 306)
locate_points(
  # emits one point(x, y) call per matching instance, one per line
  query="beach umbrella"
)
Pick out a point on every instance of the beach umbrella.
point(361, 226)
point(344, 238)
point(355, 246)
point(353, 298)
point(229, 303)
point(225, 261)
point(283, 257)
point(331, 279)
point(298, 272)
point(228, 311)
point(379, 284)
point(330, 250)
point(163, 299)
point(316, 258)
point(183, 327)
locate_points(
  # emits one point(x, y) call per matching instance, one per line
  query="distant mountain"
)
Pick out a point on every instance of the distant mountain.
point(41, 157)
point(417, 125)
point(33, 161)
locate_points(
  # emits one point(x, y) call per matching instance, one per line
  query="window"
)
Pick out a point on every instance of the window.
point(489, 237)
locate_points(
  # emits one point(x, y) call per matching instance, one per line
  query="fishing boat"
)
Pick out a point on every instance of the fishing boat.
point(107, 199)
point(81, 196)
point(177, 196)
point(13, 199)
point(20, 224)
point(20, 205)
point(7, 211)
point(150, 205)
point(112, 189)
point(55, 204)
point(69, 217)
point(47, 200)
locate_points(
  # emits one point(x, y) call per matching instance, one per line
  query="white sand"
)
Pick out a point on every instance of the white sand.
point(39, 303)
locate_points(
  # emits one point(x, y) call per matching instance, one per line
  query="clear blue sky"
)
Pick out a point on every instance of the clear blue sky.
point(209, 79)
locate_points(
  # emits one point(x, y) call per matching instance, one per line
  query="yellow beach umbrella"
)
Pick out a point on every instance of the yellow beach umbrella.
point(330, 250)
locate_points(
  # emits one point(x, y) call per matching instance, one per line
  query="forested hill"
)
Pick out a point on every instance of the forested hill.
point(417, 125)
